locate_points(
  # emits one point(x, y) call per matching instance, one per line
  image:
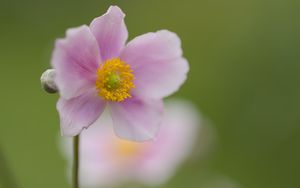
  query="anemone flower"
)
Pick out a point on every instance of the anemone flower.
point(107, 160)
point(95, 69)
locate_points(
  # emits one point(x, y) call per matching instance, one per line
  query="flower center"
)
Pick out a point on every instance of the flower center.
point(126, 148)
point(114, 80)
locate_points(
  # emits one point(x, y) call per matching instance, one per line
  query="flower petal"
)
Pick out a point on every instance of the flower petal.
point(136, 119)
point(111, 32)
point(180, 128)
point(157, 62)
point(79, 113)
point(75, 60)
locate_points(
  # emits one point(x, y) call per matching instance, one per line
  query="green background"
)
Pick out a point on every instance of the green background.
point(244, 77)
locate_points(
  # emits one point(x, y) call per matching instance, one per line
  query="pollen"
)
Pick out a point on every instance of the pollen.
point(114, 80)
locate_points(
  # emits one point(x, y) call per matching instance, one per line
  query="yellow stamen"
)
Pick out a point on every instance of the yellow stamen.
point(126, 148)
point(114, 80)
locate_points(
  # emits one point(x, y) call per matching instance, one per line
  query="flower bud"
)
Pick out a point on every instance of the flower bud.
point(47, 81)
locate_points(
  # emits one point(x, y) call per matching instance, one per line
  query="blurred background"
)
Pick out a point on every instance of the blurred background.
point(245, 72)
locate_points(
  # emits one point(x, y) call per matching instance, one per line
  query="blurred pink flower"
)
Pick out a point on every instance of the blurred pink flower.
point(95, 68)
point(106, 160)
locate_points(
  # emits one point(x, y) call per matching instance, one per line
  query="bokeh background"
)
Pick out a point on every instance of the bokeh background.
point(245, 73)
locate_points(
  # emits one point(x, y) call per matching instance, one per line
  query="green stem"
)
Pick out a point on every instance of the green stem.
point(7, 178)
point(76, 162)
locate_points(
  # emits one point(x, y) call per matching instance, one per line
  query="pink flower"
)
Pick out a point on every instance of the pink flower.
point(95, 69)
point(106, 160)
